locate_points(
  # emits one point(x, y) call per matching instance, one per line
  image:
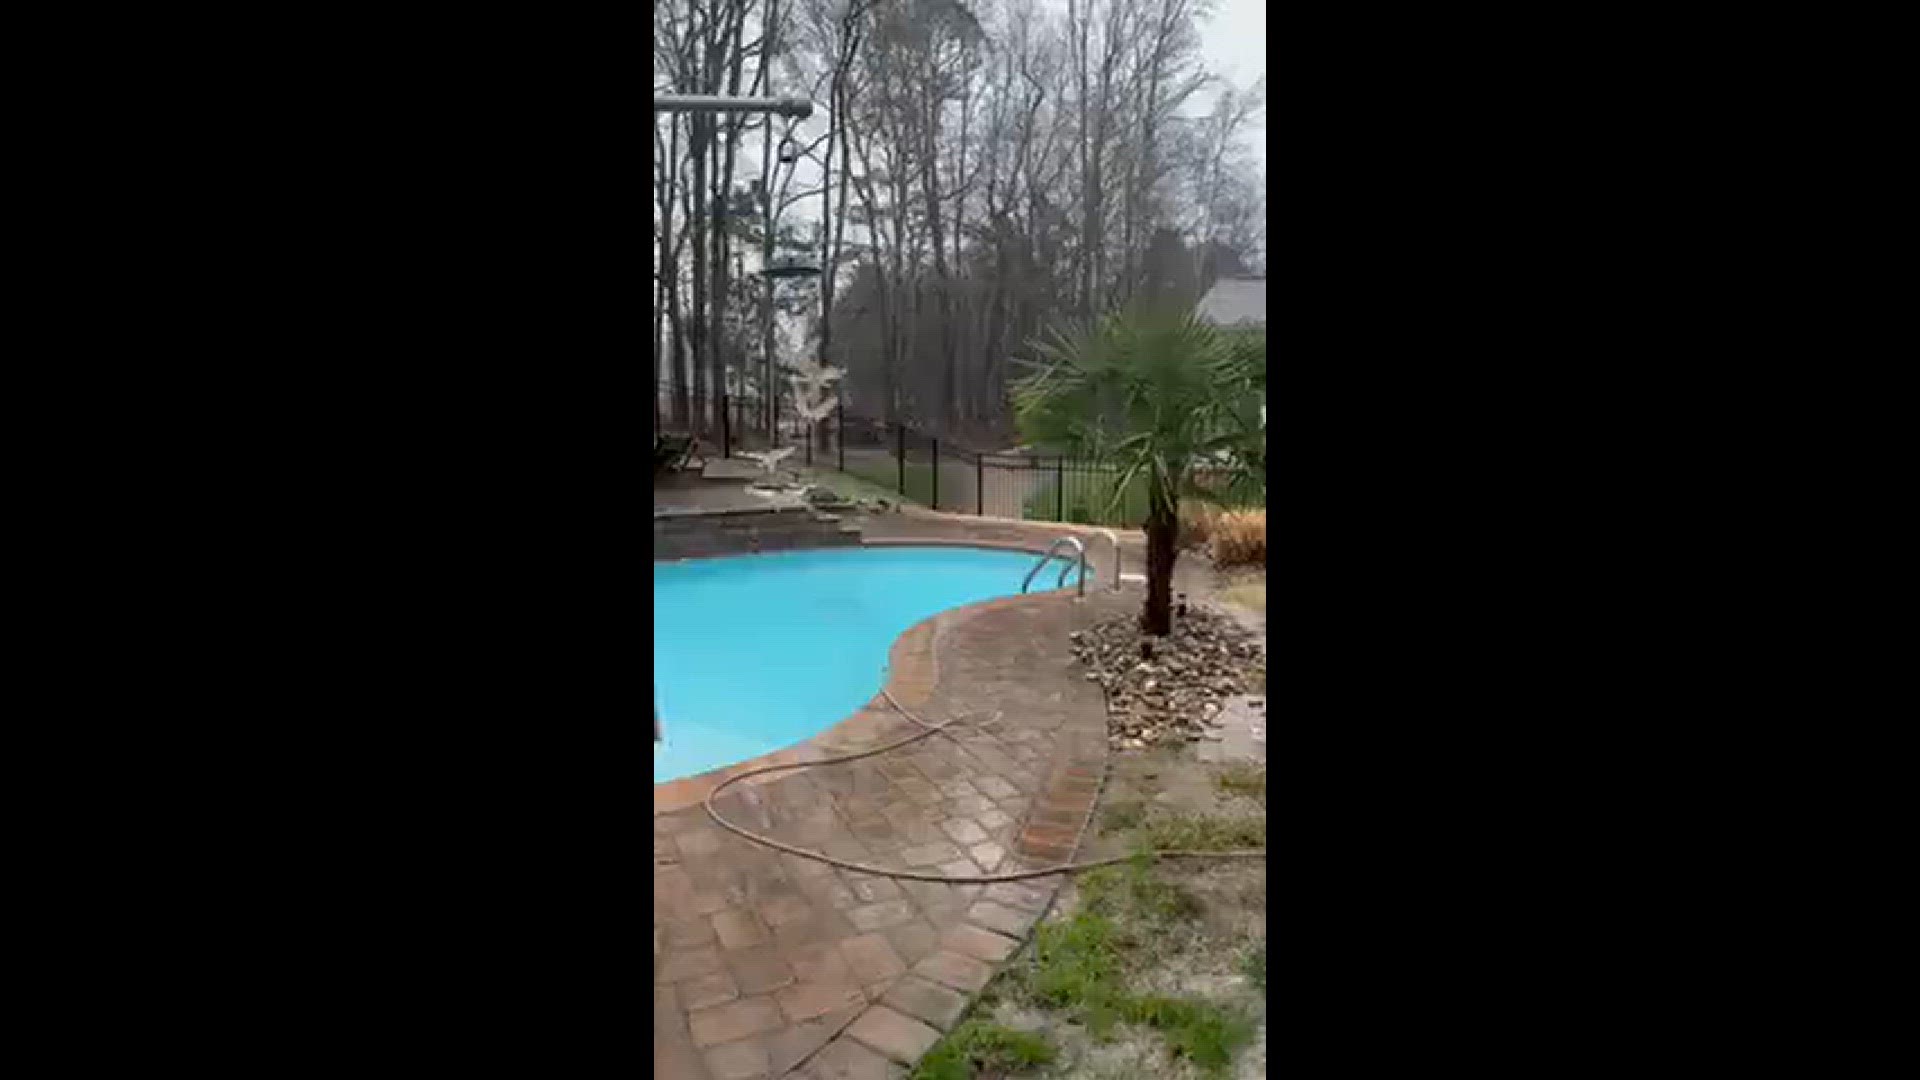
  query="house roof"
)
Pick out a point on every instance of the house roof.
point(1235, 300)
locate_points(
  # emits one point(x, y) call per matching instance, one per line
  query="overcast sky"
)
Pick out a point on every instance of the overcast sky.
point(1234, 42)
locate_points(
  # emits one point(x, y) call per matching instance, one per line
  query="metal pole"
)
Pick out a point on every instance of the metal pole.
point(1060, 489)
point(979, 486)
point(826, 293)
point(936, 474)
point(840, 431)
point(900, 455)
point(798, 108)
point(768, 168)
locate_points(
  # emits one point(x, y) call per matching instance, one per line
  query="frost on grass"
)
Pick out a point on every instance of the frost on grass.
point(1101, 970)
point(980, 1047)
point(1205, 832)
point(1247, 780)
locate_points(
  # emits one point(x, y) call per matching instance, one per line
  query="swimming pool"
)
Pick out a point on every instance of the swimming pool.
point(755, 653)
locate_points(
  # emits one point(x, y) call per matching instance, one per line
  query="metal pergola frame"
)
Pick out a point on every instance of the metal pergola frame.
point(799, 108)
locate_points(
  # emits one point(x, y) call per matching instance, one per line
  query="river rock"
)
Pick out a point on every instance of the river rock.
point(1166, 690)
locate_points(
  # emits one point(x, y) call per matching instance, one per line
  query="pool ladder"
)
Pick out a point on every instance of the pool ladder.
point(1079, 548)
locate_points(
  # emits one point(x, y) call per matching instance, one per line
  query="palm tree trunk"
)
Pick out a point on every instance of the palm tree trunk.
point(1163, 536)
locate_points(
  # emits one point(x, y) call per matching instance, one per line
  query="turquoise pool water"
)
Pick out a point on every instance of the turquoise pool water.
point(755, 653)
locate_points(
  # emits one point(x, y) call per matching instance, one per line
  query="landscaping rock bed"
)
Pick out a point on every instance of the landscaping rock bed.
point(1169, 690)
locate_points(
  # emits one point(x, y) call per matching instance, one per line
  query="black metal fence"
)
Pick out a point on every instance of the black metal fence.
point(1038, 487)
point(922, 468)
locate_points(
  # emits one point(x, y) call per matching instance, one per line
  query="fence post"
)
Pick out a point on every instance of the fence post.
point(936, 474)
point(810, 442)
point(979, 486)
point(1060, 489)
point(900, 455)
point(840, 432)
point(726, 426)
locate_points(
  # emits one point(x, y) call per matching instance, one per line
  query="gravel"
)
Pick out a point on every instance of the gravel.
point(1169, 690)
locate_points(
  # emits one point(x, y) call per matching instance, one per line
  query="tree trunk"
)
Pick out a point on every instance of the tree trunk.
point(1079, 28)
point(833, 223)
point(835, 236)
point(768, 167)
point(670, 273)
point(930, 191)
point(1163, 536)
point(662, 195)
point(697, 225)
point(725, 147)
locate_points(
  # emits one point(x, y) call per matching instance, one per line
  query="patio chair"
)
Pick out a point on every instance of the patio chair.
point(667, 449)
point(674, 452)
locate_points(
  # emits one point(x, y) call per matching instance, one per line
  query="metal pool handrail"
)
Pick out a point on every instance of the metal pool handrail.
point(1115, 541)
point(1048, 557)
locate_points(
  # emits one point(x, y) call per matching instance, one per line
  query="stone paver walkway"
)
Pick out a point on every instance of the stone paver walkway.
point(768, 965)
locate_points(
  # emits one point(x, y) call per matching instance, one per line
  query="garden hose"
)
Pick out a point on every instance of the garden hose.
point(916, 875)
point(929, 730)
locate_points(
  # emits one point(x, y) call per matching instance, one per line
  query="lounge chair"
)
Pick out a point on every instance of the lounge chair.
point(675, 452)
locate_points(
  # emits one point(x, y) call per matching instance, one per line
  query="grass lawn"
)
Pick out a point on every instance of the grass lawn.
point(886, 476)
point(849, 486)
point(1087, 500)
point(1143, 969)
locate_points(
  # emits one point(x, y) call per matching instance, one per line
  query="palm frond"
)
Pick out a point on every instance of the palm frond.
point(1160, 394)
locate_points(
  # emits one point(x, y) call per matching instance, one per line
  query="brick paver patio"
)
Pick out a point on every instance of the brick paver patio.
point(768, 965)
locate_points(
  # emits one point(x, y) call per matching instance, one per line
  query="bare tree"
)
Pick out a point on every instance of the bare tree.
point(987, 167)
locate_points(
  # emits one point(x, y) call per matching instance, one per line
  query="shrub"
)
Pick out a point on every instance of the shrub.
point(1238, 538)
point(1196, 523)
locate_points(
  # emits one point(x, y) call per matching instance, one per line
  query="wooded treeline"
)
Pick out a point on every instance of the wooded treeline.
point(989, 168)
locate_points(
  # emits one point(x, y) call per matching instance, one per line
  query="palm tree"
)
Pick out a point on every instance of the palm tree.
point(1158, 395)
